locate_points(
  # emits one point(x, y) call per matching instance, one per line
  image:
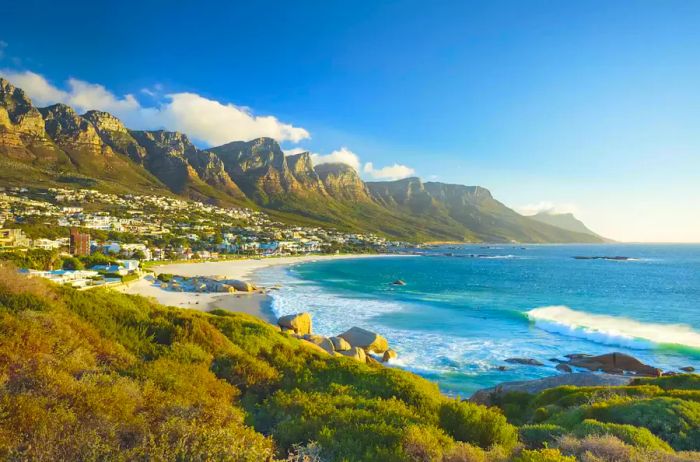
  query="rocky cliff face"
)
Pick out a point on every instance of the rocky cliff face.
point(70, 131)
point(114, 133)
point(409, 193)
point(302, 169)
point(342, 182)
point(259, 167)
point(22, 132)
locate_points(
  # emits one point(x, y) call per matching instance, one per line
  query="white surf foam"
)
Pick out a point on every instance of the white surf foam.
point(611, 330)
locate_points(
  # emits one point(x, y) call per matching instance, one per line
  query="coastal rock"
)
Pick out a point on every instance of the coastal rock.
point(362, 338)
point(355, 353)
point(241, 286)
point(399, 282)
point(524, 361)
point(300, 323)
point(313, 346)
point(389, 355)
point(563, 368)
point(321, 341)
point(688, 369)
point(616, 363)
point(340, 344)
point(581, 379)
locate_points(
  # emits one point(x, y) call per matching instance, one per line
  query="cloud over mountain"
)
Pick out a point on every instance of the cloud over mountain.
point(203, 119)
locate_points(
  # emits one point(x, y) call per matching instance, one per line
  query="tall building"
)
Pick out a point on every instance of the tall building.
point(79, 242)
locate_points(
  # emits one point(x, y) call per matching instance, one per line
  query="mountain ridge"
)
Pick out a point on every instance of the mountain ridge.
point(55, 146)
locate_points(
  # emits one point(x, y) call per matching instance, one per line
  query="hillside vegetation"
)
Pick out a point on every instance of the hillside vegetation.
point(99, 375)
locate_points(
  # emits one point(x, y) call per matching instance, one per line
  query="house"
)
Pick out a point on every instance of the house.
point(13, 238)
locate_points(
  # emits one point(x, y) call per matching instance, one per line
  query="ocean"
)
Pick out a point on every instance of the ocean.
point(465, 309)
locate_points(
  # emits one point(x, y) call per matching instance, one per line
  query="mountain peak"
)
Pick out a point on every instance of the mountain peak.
point(104, 121)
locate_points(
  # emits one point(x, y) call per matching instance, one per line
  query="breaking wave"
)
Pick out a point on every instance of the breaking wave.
point(612, 330)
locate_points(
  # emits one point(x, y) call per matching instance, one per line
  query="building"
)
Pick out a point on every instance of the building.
point(13, 238)
point(79, 242)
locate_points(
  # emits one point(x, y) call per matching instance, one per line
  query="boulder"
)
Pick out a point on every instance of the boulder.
point(688, 369)
point(340, 344)
point(389, 355)
point(321, 341)
point(355, 353)
point(615, 363)
point(241, 286)
point(563, 368)
point(365, 339)
point(399, 282)
point(525, 361)
point(300, 323)
point(313, 346)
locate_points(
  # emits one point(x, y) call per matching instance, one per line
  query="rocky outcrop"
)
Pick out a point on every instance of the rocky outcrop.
point(340, 344)
point(524, 361)
point(582, 379)
point(302, 169)
point(72, 132)
point(616, 363)
point(355, 353)
point(114, 133)
point(365, 339)
point(320, 341)
point(563, 368)
point(259, 167)
point(342, 182)
point(389, 355)
point(299, 323)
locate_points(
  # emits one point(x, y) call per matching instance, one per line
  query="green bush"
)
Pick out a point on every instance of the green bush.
point(475, 424)
point(673, 420)
point(165, 277)
point(72, 263)
point(543, 455)
point(540, 435)
point(634, 436)
point(130, 277)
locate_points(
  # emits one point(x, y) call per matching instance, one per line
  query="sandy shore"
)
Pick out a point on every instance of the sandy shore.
point(257, 304)
point(243, 269)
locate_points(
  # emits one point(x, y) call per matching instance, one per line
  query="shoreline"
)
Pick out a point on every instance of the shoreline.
point(258, 303)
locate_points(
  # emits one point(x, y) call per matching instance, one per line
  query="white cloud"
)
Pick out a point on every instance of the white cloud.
point(388, 173)
point(342, 156)
point(202, 119)
point(546, 207)
point(348, 157)
point(293, 151)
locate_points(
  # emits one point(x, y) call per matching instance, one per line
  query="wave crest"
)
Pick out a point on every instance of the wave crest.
point(612, 330)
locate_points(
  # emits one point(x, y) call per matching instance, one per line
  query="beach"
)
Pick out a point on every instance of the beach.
point(257, 303)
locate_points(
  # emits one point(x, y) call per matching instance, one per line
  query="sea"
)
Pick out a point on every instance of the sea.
point(465, 309)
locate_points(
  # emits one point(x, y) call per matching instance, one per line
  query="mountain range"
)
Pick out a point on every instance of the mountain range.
point(55, 146)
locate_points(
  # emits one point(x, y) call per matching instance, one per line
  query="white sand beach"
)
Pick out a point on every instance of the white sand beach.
point(243, 268)
point(257, 303)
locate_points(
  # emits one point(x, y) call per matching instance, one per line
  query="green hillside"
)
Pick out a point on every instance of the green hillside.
point(99, 375)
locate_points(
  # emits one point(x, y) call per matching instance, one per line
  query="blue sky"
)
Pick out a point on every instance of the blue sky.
point(589, 106)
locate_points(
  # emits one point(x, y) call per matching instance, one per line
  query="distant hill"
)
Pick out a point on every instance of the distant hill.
point(565, 221)
point(55, 146)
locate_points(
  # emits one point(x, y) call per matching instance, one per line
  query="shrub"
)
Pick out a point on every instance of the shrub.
point(540, 435)
point(165, 277)
point(635, 436)
point(673, 420)
point(475, 424)
point(543, 455)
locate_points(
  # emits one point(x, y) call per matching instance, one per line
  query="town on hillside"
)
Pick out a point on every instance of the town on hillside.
point(86, 238)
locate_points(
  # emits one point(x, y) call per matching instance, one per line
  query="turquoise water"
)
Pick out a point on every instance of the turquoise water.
point(465, 309)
